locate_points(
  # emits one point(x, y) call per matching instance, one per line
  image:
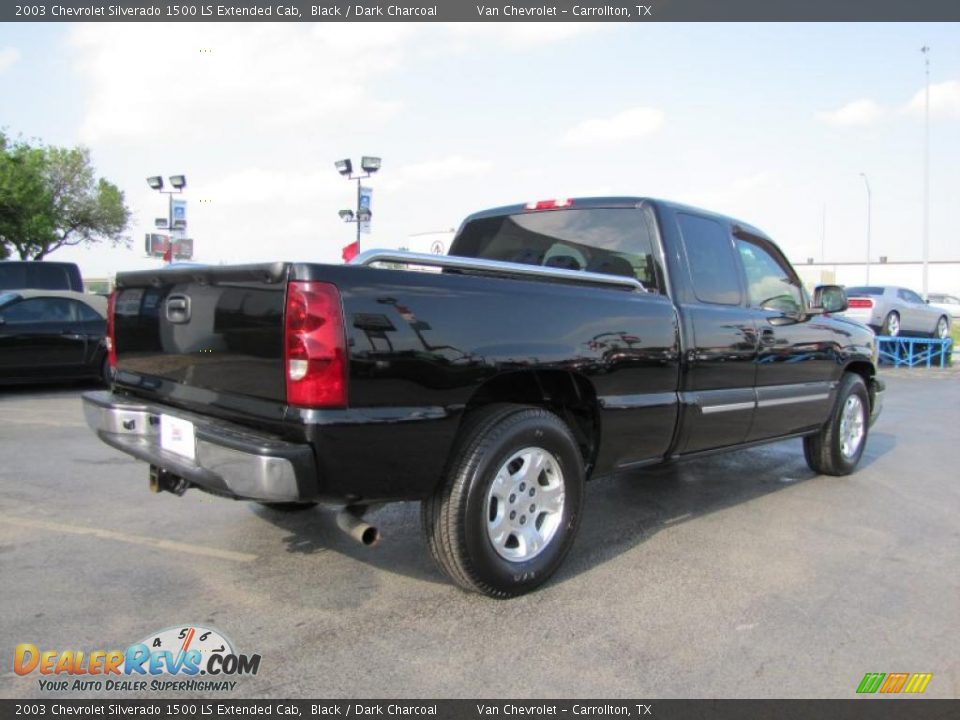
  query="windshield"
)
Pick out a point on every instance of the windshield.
point(39, 275)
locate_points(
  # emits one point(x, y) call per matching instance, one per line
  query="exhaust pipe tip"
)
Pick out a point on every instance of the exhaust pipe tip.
point(350, 520)
point(370, 536)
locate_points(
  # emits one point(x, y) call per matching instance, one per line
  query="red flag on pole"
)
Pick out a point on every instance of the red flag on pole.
point(350, 251)
point(168, 253)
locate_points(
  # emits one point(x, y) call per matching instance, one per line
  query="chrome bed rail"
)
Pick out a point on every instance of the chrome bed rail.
point(495, 266)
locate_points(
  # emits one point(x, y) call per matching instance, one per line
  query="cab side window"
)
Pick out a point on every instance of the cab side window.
point(910, 296)
point(769, 282)
point(713, 269)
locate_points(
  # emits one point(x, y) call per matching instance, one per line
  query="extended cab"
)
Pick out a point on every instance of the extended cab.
point(558, 341)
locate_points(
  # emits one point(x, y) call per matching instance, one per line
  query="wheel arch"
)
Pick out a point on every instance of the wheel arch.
point(569, 395)
point(868, 372)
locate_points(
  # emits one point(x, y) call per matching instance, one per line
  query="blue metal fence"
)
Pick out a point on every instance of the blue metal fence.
point(914, 351)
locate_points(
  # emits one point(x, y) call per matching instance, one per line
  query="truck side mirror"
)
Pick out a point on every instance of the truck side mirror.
point(829, 299)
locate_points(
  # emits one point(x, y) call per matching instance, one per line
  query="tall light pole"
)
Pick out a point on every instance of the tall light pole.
point(866, 182)
point(179, 182)
point(926, 168)
point(823, 234)
point(369, 165)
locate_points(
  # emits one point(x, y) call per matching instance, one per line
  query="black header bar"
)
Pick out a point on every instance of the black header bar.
point(212, 708)
point(481, 10)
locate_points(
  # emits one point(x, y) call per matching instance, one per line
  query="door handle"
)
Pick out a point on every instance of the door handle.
point(768, 337)
point(178, 309)
point(71, 335)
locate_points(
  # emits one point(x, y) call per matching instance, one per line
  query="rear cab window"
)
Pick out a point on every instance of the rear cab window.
point(714, 275)
point(612, 241)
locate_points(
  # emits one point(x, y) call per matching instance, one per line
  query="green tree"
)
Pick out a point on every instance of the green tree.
point(51, 198)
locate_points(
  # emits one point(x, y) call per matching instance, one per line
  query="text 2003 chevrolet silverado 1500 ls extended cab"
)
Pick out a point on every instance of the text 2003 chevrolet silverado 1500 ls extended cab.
point(562, 340)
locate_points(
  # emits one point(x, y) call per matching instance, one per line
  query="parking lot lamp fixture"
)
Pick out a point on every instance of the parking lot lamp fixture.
point(179, 182)
point(369, 164)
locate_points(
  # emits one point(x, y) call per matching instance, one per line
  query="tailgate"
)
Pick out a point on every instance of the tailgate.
point(218, 329)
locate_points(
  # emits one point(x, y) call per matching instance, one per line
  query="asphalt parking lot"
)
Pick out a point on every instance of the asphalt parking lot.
point(742, 575)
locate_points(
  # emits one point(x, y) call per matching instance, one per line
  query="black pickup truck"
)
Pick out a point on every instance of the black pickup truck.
point(558, 341)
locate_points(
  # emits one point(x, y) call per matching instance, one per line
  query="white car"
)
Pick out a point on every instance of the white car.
point(893, 311)
point(949, 303)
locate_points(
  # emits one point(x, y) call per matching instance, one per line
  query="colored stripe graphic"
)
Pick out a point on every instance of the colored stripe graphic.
point(870, 682)
point(918, 682)
point(894, 683)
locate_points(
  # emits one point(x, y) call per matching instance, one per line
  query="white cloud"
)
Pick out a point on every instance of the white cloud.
point(270, 187)
point(944, 100)
point(194, 80)
point(632, 123)
point(519, 35)
point(448, 168)
point(732, 194)
point(8, 57)
point(855, 113)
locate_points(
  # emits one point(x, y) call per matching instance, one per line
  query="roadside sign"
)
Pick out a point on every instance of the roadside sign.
point(364, 200)
point(178, 210)
point(156, 246)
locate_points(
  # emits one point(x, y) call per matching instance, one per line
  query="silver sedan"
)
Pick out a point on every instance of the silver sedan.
point(947, 303)
point(893, 311)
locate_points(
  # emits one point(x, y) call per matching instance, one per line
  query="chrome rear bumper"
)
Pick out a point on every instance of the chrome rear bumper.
point(228, 460)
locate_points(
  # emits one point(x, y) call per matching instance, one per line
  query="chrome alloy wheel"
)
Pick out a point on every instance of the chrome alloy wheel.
point(893, 325)
point(852, 426)
point(943, 328)
point(525, 504)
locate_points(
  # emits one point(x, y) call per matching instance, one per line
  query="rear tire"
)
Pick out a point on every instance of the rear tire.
point(507, 513)
point(106, 372)
point(891, 324)
point(839, 445)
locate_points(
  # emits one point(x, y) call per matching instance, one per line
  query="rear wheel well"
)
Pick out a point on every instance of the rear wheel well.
point(568, 395)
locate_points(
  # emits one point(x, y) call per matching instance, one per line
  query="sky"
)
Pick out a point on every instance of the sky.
point(770, 123)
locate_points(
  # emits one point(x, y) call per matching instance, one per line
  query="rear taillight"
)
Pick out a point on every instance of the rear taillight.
point(315, 350)
point(111, 330)
point(549, 204)
point(860, 303)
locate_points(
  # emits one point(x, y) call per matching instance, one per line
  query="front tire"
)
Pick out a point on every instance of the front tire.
point(506, 516)
point(838, 447)
point(943, 328)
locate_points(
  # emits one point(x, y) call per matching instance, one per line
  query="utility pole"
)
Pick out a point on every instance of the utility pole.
point(926, 169)
point(823, 234)
point(869, 213)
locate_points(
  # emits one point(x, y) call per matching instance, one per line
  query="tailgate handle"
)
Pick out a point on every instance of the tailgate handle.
point(178, 309)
